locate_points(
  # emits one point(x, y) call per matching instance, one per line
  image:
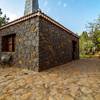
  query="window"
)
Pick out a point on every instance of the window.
point(8, 43)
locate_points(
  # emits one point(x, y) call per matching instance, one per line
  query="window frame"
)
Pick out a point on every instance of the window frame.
point(8, 43)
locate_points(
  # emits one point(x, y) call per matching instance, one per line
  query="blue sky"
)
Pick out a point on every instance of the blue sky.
point(73, 14)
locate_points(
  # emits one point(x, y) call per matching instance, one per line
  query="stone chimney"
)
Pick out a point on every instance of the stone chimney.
point(31, 6)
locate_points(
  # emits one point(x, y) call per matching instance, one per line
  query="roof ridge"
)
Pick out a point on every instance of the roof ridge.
point(38, 13)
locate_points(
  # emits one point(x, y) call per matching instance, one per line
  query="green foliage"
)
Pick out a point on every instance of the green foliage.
point(94, 31)
point(3, 19)
point(90, 41)
point(85, 56)
point(96, 39)
point(86, 44)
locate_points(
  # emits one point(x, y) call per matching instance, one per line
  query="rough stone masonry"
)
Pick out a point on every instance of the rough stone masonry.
point(40, 42)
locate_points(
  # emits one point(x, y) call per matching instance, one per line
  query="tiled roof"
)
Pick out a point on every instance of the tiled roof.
point(41, 14)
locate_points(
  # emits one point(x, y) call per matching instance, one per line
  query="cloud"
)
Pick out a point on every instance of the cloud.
point(8, 10)
point(64, 5)
point(48, 10)
point(46, 7)
point(12, 16)
point(45, 2)
point(59, 3)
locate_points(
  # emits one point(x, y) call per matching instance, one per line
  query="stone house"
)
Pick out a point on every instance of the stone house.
point(38, 42)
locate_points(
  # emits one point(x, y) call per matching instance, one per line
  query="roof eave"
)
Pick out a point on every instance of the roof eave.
point(38, 13)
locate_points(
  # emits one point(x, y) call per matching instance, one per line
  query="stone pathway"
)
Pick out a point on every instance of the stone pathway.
point(78, 80)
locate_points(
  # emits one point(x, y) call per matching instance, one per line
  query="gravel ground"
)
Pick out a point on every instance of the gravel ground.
point(77, 80)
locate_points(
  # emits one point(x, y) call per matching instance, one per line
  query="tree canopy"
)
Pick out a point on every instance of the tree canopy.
point(3, 18)
point(90, 41)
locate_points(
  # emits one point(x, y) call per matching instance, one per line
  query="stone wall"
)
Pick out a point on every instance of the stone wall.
point(27, 43)
point(55, 46)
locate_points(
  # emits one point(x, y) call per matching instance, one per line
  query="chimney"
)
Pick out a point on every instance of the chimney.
point(31, 6)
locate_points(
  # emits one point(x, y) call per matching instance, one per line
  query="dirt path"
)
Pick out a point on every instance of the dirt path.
point(78, 80)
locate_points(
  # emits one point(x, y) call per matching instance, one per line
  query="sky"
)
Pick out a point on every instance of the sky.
point(73, 14)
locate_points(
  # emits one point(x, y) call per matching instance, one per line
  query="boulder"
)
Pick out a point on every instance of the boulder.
point(6, 59)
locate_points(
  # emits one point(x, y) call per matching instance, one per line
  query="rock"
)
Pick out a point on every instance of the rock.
point(67, 97)
point(86, 90)
point(26, 96)
point(85, 97)
point(2, 97)
point(6, 59)
point(97, 97)
point(50, 98)
point(9, 98)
